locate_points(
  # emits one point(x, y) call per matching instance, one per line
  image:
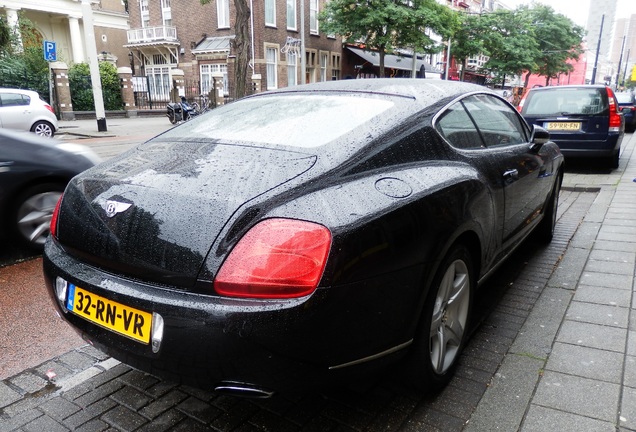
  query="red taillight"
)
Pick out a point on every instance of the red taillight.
point(277, 258)
point(49, 107)
point(615, 119)
point(56, 212)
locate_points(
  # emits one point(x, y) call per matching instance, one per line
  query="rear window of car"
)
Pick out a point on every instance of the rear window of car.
point(14, 99)
point(304, 121)
point(564, 101)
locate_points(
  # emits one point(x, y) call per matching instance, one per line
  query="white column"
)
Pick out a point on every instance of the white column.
point(77, 42)
point(12, 20)
point(91, 52)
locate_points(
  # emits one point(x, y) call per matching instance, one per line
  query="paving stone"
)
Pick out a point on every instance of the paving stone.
point(628, 408)
point(44, 423)
point(541, 419)
point(77, 361)
point(59, 408)
point(586, 362)
point(8, 395)
point(607, 280)
point(593, 335)
point(577, 395)
point(89, 413)
point(614, 316)
point(131, 398)
point(28, 382)
point(123, 418)
point(162, 404)
point(199, 410)
point(10, 423)
point(605, 296)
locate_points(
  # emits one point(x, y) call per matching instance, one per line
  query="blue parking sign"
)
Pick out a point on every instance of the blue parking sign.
point(50, 53)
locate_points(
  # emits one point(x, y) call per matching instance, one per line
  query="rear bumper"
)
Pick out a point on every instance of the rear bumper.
point(591, 149)
point(274, 345)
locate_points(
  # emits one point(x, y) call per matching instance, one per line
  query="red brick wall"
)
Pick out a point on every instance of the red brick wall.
point(194, 20)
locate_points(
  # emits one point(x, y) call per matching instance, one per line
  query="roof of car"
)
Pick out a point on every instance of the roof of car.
point(571, 86)
point(426, 91)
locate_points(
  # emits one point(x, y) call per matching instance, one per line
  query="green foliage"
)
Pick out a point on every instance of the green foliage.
point(386, 25)
point(26, 70)
point(531, 39)
point(79, 76)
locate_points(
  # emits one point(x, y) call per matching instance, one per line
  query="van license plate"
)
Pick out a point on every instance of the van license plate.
point(566, 126)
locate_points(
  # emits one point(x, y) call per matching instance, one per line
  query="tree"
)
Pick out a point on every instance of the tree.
point(240, 45)
point(509, 41)
point(467, 40)
point(385, 25)
point(559, 40)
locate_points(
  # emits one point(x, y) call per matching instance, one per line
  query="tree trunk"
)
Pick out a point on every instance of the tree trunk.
point(381, 52)
point(527, 79)
point(241, 45)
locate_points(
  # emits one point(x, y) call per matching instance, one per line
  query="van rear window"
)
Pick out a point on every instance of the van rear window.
point(565, 101)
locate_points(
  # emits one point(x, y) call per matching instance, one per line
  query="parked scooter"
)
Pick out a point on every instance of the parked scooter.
point(181, 111)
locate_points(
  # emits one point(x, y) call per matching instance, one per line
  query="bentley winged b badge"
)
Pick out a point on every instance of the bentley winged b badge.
point(113, 207)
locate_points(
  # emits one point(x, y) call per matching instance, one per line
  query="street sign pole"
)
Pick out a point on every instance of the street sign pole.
point(91, 50)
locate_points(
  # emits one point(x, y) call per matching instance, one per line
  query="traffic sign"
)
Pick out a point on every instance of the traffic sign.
point(50, 53)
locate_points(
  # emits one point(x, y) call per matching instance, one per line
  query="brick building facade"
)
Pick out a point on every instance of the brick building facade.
point(169, 36)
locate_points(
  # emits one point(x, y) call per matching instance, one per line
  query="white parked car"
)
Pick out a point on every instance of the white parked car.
point(25, 110)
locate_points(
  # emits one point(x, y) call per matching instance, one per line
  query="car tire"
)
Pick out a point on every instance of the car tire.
point(32, 212)
point(614, 160)
point(43, 128)
point(546, 227)
point(444, 323)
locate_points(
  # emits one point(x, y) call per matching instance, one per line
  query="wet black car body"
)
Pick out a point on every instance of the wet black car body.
point(401, 193)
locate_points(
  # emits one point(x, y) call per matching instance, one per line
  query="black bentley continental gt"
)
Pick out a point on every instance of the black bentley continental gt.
point(300, 236)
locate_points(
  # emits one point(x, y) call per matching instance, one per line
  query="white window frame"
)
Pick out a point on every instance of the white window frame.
point(313, 17)
point(145, 13)
point(271, 60)
point(270, 13)
point(223, 13)
point(206, 71)
point(159, 80)
point(292, 69)
point(324, 63)
point(291, 15)
point(166, 13)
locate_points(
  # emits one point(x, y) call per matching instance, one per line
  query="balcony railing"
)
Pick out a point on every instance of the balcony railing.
point(152, 34)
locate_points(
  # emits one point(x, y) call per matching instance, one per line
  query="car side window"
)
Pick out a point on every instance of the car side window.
point(14, 99)
point(497, 122)
point(459, 130)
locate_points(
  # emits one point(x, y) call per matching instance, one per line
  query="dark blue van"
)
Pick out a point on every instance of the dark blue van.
point(584, 120)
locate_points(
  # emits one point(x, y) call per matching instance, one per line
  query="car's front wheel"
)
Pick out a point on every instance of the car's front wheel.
point(43, 128)
point(32, 214)
point(444, 324)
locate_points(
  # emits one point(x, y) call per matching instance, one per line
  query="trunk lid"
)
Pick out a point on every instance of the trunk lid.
point(153, 213)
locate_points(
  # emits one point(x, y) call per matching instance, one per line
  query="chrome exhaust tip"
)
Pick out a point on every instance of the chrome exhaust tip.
point(244, 390)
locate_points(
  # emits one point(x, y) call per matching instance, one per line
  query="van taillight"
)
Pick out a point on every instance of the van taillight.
point(615, 119)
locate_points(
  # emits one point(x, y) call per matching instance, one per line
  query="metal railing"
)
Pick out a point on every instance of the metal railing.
point(152, 34)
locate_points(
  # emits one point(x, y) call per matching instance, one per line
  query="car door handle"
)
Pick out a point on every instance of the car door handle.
point(511, 174)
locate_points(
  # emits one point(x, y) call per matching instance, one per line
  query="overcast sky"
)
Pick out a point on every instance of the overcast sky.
point(577, 10)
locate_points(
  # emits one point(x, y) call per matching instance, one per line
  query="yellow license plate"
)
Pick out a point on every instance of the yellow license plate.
point(567, 126)
point(114, 316)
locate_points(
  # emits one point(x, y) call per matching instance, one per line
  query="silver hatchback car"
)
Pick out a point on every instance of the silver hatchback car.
point(25, 110)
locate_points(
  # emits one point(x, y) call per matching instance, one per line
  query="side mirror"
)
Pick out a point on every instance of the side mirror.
point(539, 137)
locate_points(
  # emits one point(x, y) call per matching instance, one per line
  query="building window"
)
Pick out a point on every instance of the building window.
point(292, 69)
point(324, 60)
point(270, 13)
point(207, 80)
point(223, 13)
point(313, 16)
point(335, 66)
point(159, 82)
point(291, 14)
point(272, 68)
point(145, 13)
point(166, 12)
